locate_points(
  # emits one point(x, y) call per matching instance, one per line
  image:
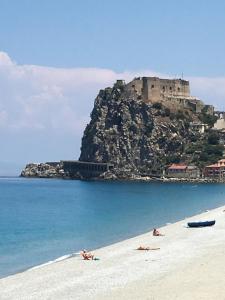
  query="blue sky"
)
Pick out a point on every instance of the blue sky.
point(167, 36)
point(56, 55)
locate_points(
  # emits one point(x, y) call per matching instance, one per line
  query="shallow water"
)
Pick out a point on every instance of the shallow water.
point(41, 220)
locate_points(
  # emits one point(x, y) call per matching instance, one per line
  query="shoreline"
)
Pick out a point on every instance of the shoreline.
point(118, 259)
point(58, 259)
point(77, 254)
point(134, 179)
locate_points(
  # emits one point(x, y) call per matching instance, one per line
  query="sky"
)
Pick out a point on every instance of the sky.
point(56, 55)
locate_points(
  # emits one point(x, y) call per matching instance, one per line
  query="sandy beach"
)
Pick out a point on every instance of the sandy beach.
point(189, 265)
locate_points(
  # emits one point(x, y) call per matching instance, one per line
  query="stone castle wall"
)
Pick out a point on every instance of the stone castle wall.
point(173, 93)
point(154, 89)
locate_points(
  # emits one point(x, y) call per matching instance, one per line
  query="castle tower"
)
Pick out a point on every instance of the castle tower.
point(173, 93)
point(156, 89)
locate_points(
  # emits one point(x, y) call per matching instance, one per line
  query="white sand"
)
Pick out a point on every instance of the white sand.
point(189, 265)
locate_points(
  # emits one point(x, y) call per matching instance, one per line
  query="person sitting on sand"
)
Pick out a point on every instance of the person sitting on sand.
point(147, 248)
point(157, 233)
point(87, 255)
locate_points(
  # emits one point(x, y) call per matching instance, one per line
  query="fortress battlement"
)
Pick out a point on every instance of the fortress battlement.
point(154, 89)
point(173, 93)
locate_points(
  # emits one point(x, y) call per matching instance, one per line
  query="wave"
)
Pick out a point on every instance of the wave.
point(61, 258)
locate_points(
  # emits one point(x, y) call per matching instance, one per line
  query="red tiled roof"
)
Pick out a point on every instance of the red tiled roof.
point(213, 166)
point(177, 167)
point(221, 161)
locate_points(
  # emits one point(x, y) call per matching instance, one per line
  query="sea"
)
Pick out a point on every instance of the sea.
point(45, 220)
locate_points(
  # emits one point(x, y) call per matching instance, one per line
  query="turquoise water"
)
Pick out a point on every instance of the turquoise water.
point(41, 220)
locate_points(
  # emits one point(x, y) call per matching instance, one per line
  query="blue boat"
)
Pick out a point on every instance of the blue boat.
point(201, 223)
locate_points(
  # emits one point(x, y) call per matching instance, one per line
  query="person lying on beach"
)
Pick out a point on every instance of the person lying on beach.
point(147, 248)
point(157, 233)
point(86, 255)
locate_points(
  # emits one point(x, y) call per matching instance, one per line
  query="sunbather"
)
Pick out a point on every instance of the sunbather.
point(147, 248)
point(157, 233)
point(86, 255)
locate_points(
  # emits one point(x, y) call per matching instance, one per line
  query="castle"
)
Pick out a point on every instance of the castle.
point(173, 93)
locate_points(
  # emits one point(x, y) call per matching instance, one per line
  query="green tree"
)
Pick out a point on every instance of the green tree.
point(213, 138)
point(208, 119)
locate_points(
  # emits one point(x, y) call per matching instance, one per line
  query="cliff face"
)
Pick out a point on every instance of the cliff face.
point(137, 138)
point(42, 170)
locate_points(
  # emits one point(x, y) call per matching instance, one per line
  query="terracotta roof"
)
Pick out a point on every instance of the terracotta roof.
point(219, 164)
point(221, 161)
point(213, 166)
point(177, 167)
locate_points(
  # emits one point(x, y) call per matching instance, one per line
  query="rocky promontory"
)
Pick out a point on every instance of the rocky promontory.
point(128, 137)
point(138, 138)
point(43, 170)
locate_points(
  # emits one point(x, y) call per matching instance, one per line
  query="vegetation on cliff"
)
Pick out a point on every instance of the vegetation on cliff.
point(206, 150)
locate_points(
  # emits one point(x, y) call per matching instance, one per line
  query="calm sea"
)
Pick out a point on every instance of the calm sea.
point(41, 220)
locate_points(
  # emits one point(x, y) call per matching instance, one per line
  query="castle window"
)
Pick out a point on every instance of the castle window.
point(178, 89)
point(170, 88)
point(152, 86)
point(163, 88)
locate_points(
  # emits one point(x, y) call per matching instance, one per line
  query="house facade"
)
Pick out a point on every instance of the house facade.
point(183, 171)
point(216, 170)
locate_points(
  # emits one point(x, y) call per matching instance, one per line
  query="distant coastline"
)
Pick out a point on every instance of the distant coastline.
point(50, 172)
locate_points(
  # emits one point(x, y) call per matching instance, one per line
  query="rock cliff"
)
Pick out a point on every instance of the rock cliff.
point(139, 139)
point(42, 170)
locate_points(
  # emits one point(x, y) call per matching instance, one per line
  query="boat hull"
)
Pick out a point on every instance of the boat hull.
point(201, 224)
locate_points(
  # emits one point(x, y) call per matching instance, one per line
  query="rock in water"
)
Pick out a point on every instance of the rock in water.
point(43, 170)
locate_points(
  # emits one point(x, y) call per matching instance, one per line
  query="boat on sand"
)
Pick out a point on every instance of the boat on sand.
point(201, 223)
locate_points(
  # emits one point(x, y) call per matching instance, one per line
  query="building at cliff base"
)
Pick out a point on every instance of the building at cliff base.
point(183, 171)
point(220, 123)
point(173, 93)
point(216, 170)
